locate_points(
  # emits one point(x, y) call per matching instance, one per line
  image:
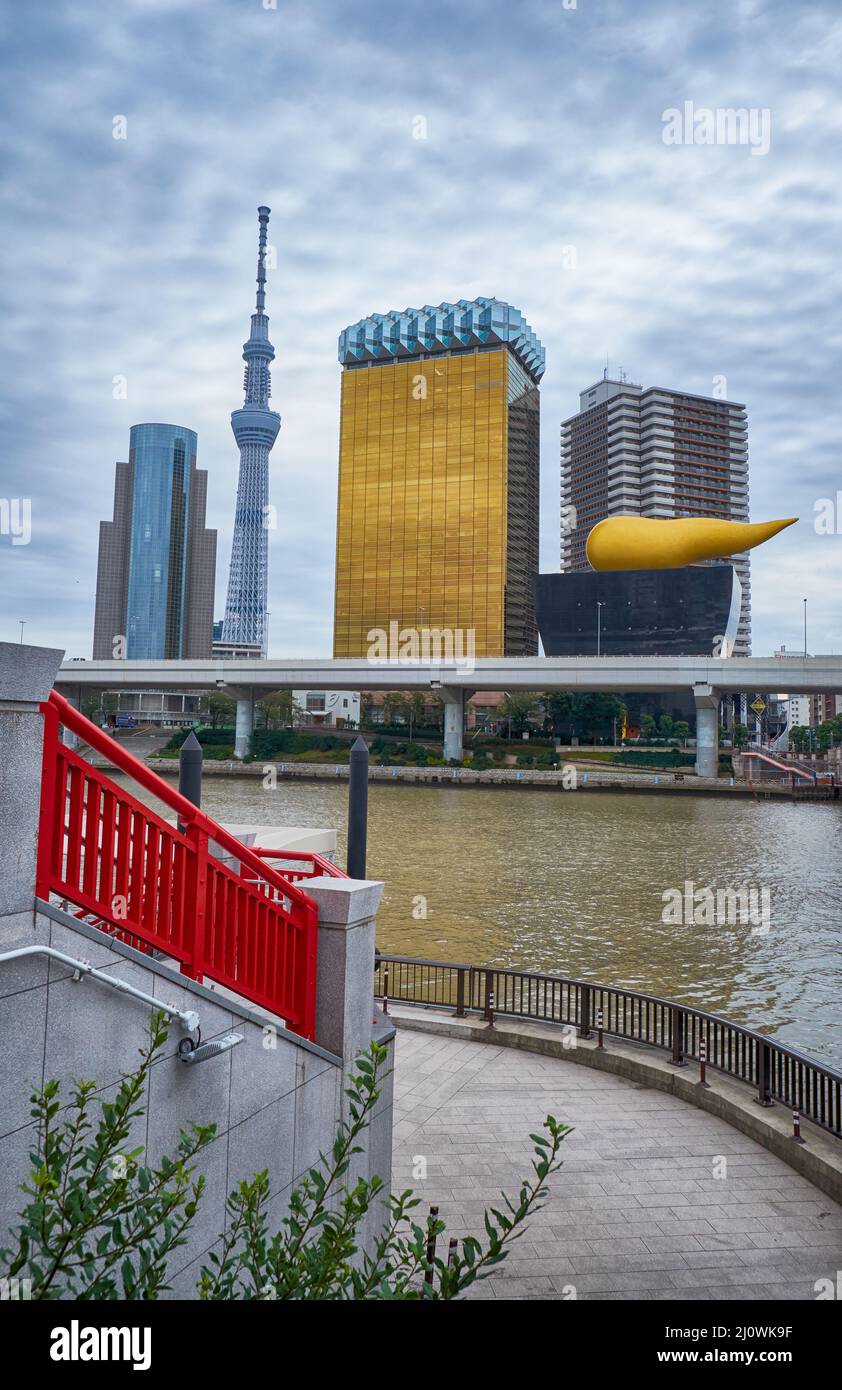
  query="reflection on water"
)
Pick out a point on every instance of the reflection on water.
point(573, 884)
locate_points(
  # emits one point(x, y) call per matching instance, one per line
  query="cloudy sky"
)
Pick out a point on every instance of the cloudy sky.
point(135, 258)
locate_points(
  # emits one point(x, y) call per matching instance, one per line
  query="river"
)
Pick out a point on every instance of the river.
point(574, 883)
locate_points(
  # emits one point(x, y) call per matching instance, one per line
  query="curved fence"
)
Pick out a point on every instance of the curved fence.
point(777, 1073)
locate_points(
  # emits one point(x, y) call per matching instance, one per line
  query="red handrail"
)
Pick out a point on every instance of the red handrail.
point(319, 863)
point(114, 858)
point(189, 814)
point(791, 768)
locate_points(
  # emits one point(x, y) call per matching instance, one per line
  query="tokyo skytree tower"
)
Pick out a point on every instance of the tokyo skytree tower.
point(255, 429)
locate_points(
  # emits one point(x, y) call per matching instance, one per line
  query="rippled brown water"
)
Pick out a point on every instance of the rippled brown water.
point(573, 883)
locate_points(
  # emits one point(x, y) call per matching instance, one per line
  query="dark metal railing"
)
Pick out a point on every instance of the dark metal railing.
point(777, 1073)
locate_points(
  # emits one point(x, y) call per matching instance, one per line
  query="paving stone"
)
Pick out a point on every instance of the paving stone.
point(677, 1226)
point(635, 1212)
point(670, 1245)
point(627, 1264)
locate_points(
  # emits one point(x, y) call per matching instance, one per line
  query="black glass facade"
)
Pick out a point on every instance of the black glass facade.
point(677, 612)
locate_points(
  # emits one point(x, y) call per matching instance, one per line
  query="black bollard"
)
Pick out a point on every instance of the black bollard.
point(358, 808)
point(190, 770)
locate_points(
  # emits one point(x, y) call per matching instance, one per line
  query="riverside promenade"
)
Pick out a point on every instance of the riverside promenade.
point(656, 1199)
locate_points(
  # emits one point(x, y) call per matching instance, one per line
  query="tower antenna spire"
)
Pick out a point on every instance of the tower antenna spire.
point(263, 219)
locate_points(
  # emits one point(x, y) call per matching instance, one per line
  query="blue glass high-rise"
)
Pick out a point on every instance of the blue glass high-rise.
point(157, 558)
point(162, 456)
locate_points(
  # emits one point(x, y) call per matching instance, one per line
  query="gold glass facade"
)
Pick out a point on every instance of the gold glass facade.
point(437, 522)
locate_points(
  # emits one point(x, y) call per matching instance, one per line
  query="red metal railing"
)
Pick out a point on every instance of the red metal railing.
point(246, 925)
point(297, 863)
point(791, 769)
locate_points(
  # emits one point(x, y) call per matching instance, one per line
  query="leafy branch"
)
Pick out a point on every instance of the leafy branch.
point(100, 1224)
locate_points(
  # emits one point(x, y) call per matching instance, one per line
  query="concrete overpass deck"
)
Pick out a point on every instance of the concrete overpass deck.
point(707, 677)
point(810, 675)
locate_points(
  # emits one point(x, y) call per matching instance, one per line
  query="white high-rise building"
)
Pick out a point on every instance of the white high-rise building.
point(799, 711)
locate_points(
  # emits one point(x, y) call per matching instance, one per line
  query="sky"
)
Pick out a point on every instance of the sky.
point(412, 152)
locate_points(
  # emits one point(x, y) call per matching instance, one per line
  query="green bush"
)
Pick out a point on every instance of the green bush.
point(546, 761)
point(100, 1224)
point(406, 755)
point(222, 736)
point(269, 745)
point(426, 731)
point(322, 755)
point(218, 753)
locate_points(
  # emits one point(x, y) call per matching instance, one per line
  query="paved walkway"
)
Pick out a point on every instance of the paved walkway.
point(636, 1212)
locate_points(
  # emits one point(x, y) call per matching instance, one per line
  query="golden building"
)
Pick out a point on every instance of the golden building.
point(437, 526)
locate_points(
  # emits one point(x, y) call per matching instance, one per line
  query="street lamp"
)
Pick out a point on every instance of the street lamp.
point(22, 622)
point(599, 607)
point(805, 628)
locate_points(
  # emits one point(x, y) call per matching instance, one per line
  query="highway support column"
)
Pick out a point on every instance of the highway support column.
point(454, 719)
point(707, 730)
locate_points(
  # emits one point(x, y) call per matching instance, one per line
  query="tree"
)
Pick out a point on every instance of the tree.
point(367, 706)
point(561, 711)
point(395, 706)
point(101, 1225)
point(518, 707)
point(681, 729)
point(798, 736)
point(90, 706)
point(587, 716)
point(278, 709)
point(647, 727)
point(665, 726)
point(598, 712)
point(220, 708)
point(416, 704)
point(740, 735)
point(824, 736)
point(103, 703)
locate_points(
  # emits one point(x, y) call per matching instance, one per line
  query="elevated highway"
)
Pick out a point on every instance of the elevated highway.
point(707, 677)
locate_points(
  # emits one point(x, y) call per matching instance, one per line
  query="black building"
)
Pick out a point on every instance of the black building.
point(678, 612)
point(692, 611)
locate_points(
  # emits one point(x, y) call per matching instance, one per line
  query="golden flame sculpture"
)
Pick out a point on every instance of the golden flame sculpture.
point(648, 543)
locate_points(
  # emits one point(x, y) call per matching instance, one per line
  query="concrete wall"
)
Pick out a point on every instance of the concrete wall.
point(274, 1107)
point(275, 1099)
